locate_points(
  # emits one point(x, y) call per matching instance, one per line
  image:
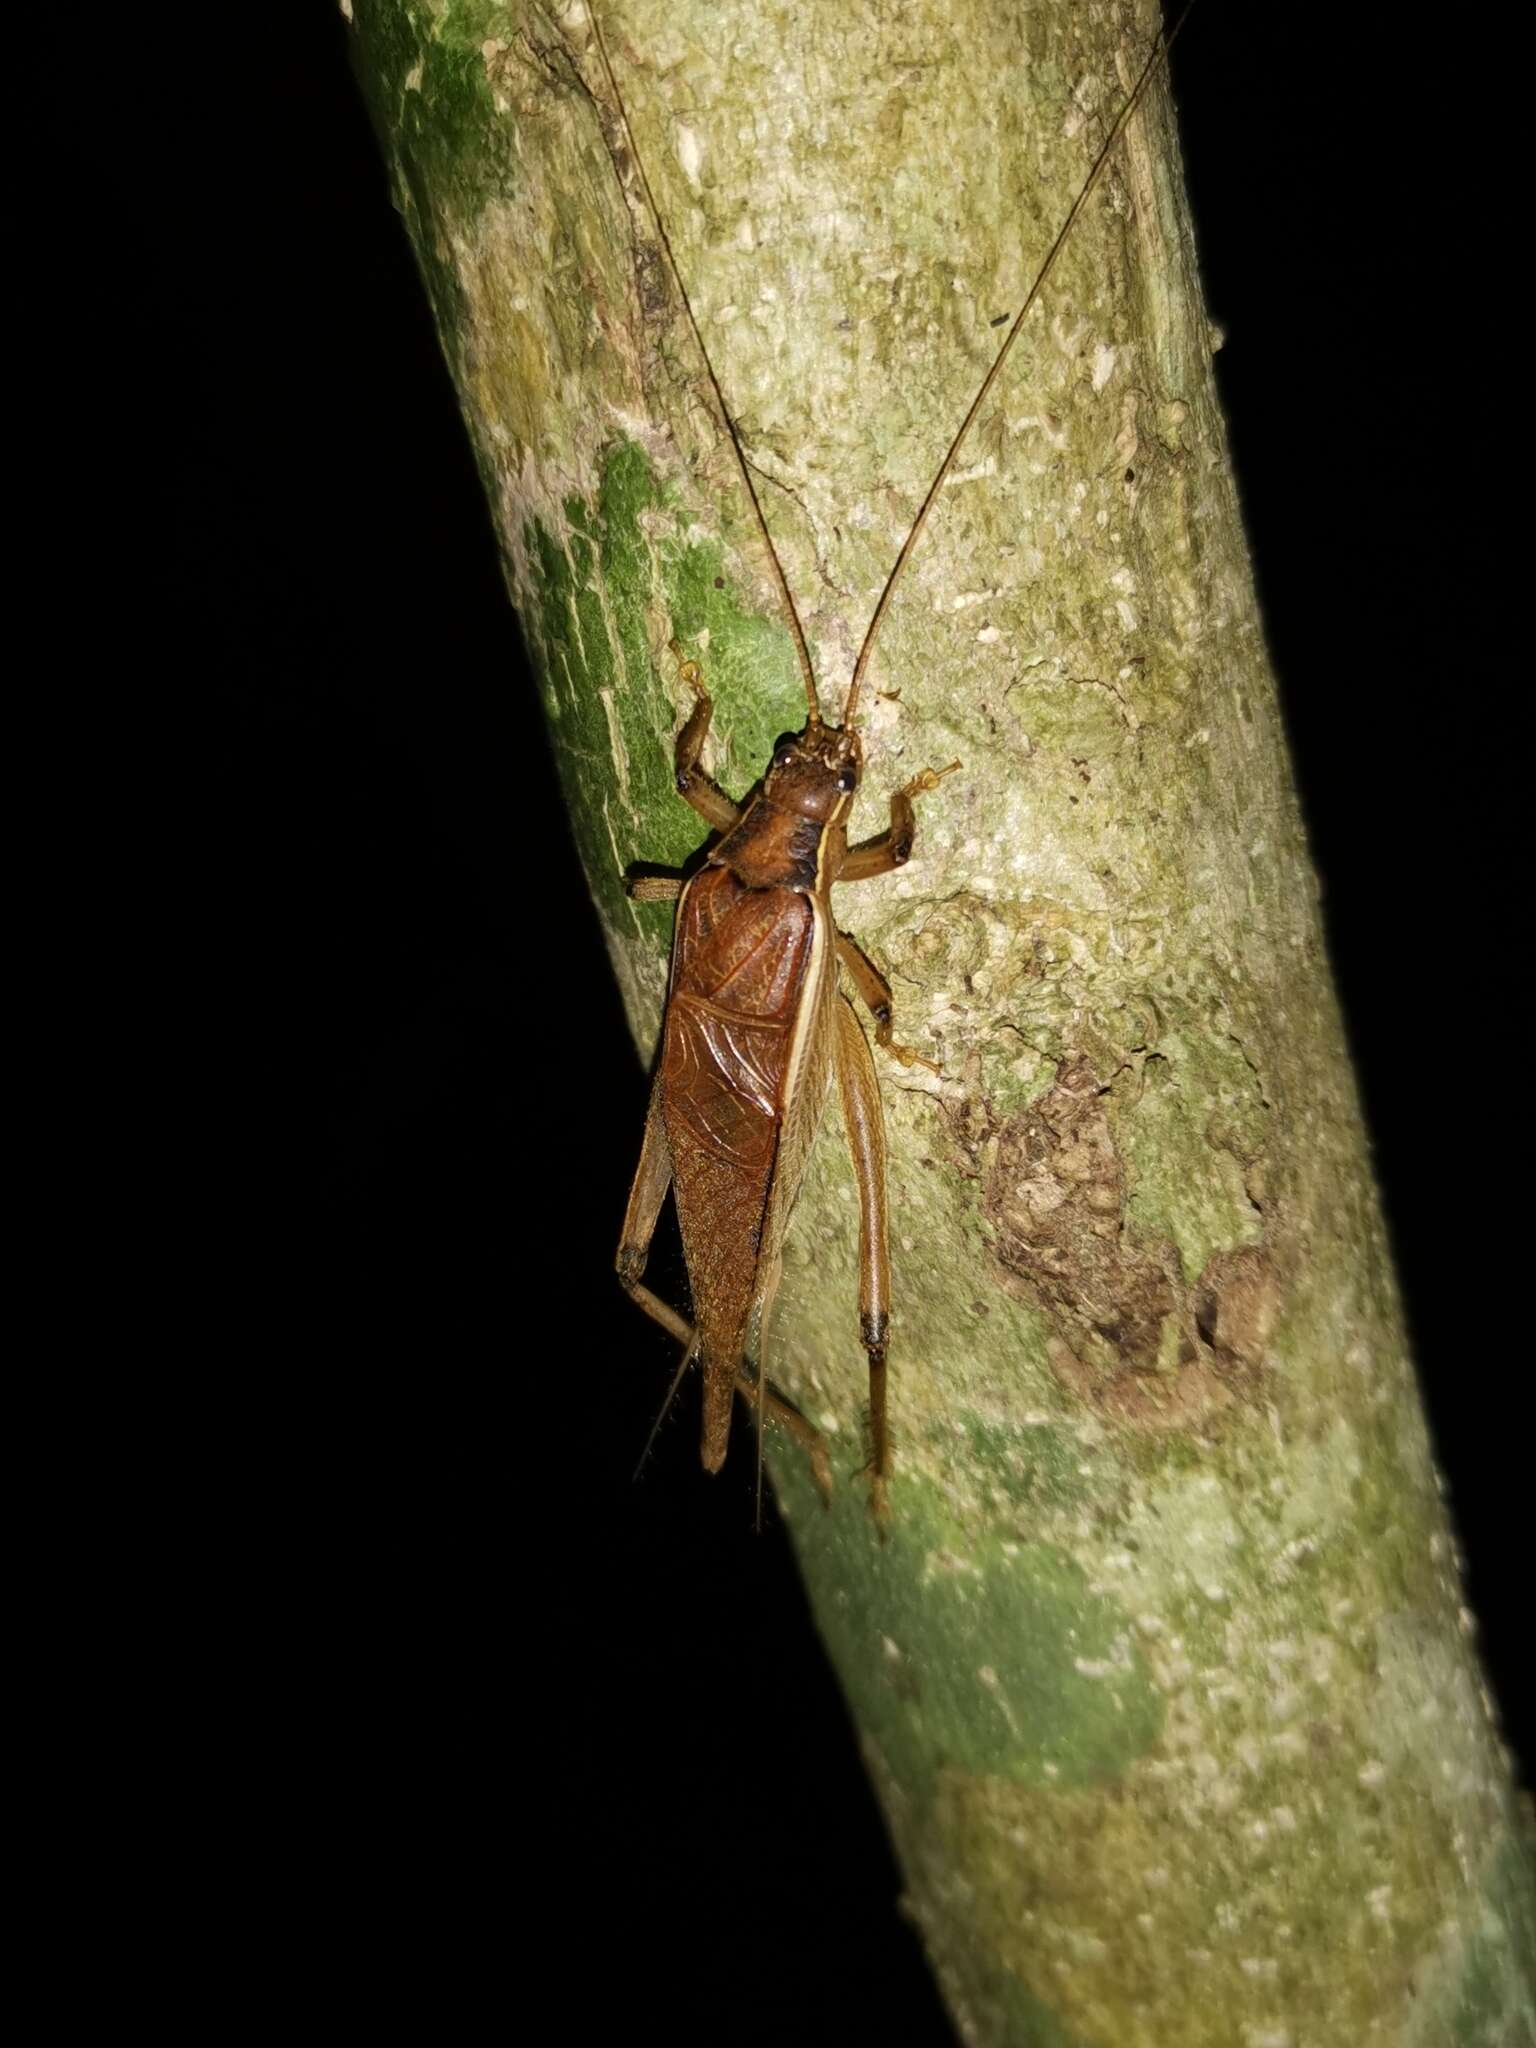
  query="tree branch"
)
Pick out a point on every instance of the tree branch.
point(1162, 1674)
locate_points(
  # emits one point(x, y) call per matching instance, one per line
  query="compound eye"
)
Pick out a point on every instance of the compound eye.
point(783, 753)
point(847, 780)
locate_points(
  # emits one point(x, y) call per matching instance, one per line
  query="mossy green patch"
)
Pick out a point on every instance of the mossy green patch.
point(424, 79)
point(1023, 1671)
point(1039, 1470)
point(997, 2005)
point(602, 698)
point(1493, 2004)
point(623, 567)
point(748, 661)
point(431, 98)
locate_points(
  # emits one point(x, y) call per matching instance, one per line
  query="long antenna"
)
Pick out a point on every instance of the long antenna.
point(806, 670)
point(1159, 53)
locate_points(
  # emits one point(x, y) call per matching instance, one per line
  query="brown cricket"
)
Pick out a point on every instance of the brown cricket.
point(756, 1022)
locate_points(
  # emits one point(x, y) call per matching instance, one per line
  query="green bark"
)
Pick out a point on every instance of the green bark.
point(1164, 1675)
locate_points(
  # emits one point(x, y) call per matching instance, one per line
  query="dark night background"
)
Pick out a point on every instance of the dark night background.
point(469, 1655)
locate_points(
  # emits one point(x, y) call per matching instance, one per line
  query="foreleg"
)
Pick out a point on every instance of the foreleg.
point(892, 848)
point(693, 785)
point(875, 994)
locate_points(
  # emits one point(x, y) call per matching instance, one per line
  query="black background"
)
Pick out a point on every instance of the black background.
point(472, 1656)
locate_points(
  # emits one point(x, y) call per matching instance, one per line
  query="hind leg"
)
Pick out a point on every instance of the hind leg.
point(648, 1190)
point(767, 1404)
point(864, 1123)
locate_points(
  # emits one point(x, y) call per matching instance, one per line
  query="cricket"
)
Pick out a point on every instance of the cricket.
point(757, 1022)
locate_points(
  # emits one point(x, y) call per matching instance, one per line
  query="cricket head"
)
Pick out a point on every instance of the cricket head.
point(815, 773)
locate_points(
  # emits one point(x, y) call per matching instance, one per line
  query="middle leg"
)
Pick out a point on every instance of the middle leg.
point(875, 993)
point(653, 888)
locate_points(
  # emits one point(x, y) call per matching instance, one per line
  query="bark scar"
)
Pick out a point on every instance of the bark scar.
point(1130, 1336)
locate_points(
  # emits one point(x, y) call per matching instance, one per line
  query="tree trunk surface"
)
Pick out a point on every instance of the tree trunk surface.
point(1163, 1674)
